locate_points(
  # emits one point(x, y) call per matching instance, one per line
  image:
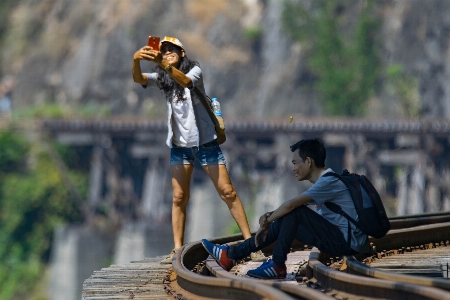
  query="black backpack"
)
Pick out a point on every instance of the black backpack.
point(372, 218)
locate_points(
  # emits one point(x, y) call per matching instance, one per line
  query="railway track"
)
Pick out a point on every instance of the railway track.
point(403, 222)
point(316, 276)
point(409, 263)
point(424, 264)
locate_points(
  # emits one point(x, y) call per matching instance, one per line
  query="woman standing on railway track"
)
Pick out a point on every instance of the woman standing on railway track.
point(191, 133)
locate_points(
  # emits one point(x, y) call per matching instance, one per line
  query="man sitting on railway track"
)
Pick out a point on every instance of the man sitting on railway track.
point(321, 228)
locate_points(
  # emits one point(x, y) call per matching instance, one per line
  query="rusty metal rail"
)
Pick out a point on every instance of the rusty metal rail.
point(420, 216)
point(148, 279)
point(229, 286)
point(413, 236)
point(370, 287)
point(388, 285)
point(295, 290)
point(223, 288)
point(357, 267)
point(417, 220)
point(416, 236)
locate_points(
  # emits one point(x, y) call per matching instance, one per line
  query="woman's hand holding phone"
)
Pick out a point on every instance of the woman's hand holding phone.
point(153, 41)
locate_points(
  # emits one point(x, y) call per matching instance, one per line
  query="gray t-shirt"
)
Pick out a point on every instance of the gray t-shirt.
point(334, 190)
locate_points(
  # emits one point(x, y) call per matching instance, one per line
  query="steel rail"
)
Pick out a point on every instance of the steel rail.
point(424, 215)
point(430, 233)
point(229, 286)
point(357, 267)
point(370, 287)
point(417, 220)
point(211, 287)
point(424, 234)
point(300, 292)
point(413, 222)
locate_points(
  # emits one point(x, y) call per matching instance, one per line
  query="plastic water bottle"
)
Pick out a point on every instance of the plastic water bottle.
point(216, 107)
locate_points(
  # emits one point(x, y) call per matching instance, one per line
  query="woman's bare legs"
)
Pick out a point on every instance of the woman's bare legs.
point(221, 179)
point(181, 179)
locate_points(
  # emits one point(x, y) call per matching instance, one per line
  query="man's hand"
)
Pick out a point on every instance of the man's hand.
point(261, 231)
point(263, 220)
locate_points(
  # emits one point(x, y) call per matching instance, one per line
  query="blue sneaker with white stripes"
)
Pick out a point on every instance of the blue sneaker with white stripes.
point(219, 253)
point(268, 270)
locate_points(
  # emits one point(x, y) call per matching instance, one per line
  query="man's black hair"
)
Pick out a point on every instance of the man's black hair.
point(313, 148)
point(167, 84)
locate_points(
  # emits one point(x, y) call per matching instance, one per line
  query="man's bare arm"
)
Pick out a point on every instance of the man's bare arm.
point(288, 206)
point(284, 209)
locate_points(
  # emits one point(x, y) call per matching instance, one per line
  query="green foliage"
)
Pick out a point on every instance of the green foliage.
point(32, 202)
point(253, 33)
point(405, 88)
point(347, 68)
point(11, 157)
point(50, 110)
point(233, 228)
point(53, 110)
point(92, 110)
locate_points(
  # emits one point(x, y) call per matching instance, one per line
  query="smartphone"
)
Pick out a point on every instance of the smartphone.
point(153, 41)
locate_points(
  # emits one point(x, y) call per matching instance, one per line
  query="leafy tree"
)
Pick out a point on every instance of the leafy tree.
point(33, 201)
point(346, 69)
point(12, 152)
point(405, 88)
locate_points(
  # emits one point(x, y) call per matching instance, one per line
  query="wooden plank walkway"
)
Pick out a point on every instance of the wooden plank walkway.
point(145, 279)
point(148, 279)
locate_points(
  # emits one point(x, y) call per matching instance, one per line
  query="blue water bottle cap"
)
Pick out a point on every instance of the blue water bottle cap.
point(214, 99)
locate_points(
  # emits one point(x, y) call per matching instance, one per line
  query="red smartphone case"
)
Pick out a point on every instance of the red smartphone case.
point(153, 41)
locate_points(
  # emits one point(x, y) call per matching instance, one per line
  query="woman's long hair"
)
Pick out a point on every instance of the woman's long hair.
point(168, 85)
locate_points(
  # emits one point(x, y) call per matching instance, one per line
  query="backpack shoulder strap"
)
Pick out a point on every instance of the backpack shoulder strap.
point(335, 207)
point(206, 101)
point(203, 98)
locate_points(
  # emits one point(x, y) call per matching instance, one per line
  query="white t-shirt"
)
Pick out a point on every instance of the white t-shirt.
point(187, 127)
point(185, 132)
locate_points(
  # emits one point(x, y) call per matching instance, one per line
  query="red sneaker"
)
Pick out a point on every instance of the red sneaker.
point(219, 253)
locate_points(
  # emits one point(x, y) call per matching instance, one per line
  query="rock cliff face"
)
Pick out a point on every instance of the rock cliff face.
point(80, 52)
point(416, 34)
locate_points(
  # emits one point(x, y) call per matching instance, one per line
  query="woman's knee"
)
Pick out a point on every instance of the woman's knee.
point(227, 193)
point(180, 197)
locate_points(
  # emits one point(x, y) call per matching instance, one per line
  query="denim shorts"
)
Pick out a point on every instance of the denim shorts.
point(207, 154)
